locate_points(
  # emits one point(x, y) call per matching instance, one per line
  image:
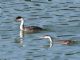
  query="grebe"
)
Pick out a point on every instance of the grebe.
point(64, 42)
point(29, 29)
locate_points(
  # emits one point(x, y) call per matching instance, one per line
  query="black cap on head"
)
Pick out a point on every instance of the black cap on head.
point(47, 35)
point(19, 17)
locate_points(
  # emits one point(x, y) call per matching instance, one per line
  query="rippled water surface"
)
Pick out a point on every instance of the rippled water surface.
point(60, 17)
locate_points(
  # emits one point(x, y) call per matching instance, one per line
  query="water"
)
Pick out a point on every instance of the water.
point(62, 18)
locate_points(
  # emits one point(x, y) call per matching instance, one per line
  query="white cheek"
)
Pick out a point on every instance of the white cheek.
point(19, 20)
point(46, 37)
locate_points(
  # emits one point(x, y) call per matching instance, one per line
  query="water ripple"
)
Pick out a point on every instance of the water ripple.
point(60, 18)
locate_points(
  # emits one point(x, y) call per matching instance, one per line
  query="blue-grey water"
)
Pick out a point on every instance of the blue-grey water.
point(60, 17)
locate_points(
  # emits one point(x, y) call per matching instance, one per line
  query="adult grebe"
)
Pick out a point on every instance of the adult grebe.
point(29, 29)
point(65, 42)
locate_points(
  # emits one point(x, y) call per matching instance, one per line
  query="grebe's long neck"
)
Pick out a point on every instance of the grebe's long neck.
point(21, 25)
point(50, 39)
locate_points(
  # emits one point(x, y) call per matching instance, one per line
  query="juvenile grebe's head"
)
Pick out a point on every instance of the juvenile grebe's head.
point(19, 19)
point(46, 36)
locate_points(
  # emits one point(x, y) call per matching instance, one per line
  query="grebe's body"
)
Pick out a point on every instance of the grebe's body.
point(64, 42)
point(28, 29)
point(31, 29)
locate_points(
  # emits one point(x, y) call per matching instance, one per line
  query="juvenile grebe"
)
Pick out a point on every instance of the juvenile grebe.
point(29, 29)
point(64, 42)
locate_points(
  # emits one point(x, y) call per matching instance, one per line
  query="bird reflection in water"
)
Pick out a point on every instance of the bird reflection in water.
point(21, 38)
point(20, 41)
